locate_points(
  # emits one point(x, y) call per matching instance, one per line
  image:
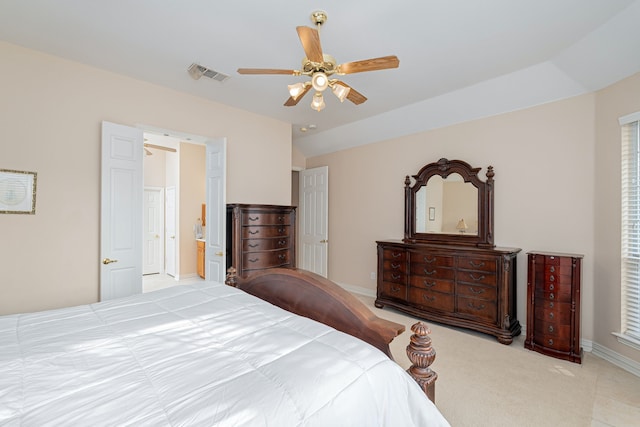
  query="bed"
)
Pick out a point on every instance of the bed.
point(209, 354)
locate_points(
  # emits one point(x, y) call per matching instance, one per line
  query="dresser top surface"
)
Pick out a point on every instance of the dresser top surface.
point(558, 254)
point(436, 246)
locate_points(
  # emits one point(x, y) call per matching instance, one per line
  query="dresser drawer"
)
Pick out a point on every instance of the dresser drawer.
point(552, 335)
point(559, 314)
point(396, 276)
point(561, 295)
point(477, 291)
point(480, 309)
point(250, 245)
point(397, 265)
point(478, 264)
point(433, 272)
point(430, 299)
point(477, 277)
point(431, 260)
point(432, 284)
point(270, 259)
point(393, 290)
point(262, 218)
point(254, 232)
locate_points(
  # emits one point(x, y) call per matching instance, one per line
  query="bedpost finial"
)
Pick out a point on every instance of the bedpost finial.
point(422, 355)
point(232, 277)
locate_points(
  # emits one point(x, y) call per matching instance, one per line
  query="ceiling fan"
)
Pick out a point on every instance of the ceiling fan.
point(321, 66)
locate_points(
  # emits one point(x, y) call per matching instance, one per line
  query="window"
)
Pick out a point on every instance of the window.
point(630, 286)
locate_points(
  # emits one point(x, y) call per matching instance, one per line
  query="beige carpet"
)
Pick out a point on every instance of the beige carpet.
point(484, 383)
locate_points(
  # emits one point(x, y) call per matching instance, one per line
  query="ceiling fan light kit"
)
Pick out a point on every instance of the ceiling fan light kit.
point(320, 67)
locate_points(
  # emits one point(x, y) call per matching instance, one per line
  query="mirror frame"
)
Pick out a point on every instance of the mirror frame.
point(444, 168)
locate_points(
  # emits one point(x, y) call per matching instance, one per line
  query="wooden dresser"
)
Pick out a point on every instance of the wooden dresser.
point(260, 237)
point(553, 304)
point(447, 267)
point(461, 286)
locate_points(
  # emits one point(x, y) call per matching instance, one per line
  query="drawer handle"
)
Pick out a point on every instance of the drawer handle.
point(478, 292)
point(551, 315)
point(479, 307)
point(550, 342)
point(255, 218)
point(473, 264)
point(428, 298)
point(550, 328)
point(254, 259)
point(551, 305)
point(282, 242)
point(429, 273)
point(282, 256)
point(254, 232)
point(396, 276)
point(551, 278)
point(396, 254)
point(425, 259)
point(552, 269)
point(477, 279)
point(280, 219)
point(551, 287)
point(429, 284)
point(254, 245)
point(551, 296)
point(280, 230)
point(394, 265)
point(395, 290)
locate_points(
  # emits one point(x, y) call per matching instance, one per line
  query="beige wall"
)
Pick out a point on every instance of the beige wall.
point(50, 115)
point(544, 164)
point(192, 195)
point(613, 102)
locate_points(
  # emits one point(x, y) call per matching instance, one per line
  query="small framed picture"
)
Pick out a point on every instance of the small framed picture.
point(432, 214)
point(17, 192)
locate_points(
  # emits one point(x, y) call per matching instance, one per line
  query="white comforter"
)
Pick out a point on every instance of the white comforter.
point(199, 355)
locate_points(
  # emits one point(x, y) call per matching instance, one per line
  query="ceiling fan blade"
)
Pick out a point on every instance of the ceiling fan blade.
point(372, 64)
point(310, 39)
point(266, 71)
point(353, 95)
point(294, 101)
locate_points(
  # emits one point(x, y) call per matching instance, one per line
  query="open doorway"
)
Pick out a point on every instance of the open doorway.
point(174, 171)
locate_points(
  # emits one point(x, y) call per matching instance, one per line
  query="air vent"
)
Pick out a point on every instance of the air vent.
point(196, 71)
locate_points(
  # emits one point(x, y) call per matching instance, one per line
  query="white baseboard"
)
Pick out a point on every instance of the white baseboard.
point(587, 345)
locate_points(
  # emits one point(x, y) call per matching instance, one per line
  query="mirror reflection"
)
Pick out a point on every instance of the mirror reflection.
point(447, 206)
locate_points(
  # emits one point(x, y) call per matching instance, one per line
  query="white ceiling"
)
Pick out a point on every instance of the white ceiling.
point(459, 59)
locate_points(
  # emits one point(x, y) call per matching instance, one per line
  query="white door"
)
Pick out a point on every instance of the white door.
point(215, 259)
point(170, 234)
point(313, 214)
point(153, 226)
point(121, 211)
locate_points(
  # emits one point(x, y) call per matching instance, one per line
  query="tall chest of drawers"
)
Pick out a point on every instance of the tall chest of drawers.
point(260, 237)
point(470, 287)
point(553, 304)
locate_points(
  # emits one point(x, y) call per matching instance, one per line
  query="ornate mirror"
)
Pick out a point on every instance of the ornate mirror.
point(446, 202)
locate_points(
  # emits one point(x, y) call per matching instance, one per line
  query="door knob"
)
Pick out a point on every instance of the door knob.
point(172, 237)
point(108, 261)
point(220, 253)
point(324, 241)
point(157, 236)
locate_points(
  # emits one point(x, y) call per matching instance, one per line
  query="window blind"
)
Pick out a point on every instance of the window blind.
point(631, 228)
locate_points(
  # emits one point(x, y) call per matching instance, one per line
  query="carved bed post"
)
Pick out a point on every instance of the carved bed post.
point(422, 355)
point(232, 277)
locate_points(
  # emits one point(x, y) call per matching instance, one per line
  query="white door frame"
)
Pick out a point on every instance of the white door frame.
point(171, 231)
